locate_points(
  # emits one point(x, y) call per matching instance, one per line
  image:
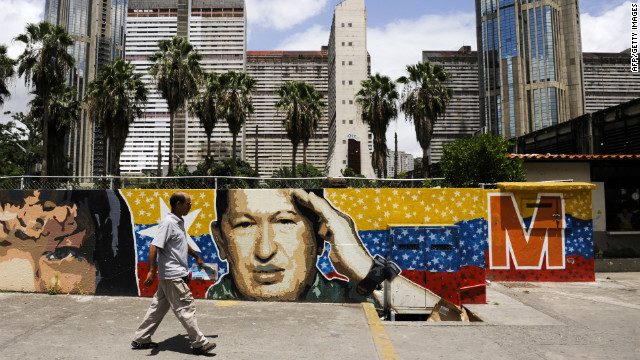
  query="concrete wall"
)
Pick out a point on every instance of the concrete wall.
point(297, 245)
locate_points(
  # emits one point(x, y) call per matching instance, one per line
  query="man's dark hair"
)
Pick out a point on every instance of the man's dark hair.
point(222, 204)
point(177, 197)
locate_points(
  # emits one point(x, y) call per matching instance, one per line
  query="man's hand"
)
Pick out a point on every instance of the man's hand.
point(196, 256)
point(151, 277)
point(348, 255)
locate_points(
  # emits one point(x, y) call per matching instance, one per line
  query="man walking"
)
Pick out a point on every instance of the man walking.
point(171, 249)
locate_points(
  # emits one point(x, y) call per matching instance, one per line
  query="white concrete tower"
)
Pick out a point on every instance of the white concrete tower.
point(349, 138)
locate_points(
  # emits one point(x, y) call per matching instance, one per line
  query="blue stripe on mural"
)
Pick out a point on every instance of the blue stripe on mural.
point(579, 238)
point(473, 242)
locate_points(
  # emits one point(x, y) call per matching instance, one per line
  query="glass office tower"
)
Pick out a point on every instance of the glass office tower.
point(530, 64)
point(97, 28)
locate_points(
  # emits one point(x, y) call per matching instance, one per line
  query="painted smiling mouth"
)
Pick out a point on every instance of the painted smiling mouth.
point(5, 243)
point(268, 274)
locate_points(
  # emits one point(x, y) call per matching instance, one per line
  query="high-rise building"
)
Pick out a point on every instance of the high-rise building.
point(97, 28)
point(405, 162)
point(349, 139)
point(217, 29)
point(531, 67)
point(462, 118)
point(265, 135)
point(608, 80)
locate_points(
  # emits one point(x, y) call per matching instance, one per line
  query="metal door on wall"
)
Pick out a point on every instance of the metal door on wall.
point(418, 251)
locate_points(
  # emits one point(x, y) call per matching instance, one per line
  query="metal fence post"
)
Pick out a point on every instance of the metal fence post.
point(111, 183)
point(21, 182)
point(215, 186)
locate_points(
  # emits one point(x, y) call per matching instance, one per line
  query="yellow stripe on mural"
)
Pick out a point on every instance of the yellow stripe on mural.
point(376, 209)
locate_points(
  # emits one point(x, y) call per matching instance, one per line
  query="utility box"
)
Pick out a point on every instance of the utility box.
point(429, 256)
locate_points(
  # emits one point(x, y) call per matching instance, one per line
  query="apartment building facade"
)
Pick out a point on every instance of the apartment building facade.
point(217, 29)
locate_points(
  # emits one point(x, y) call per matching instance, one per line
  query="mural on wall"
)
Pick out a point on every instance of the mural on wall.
point(539, 236)
point(303, 245)
point(66, 241)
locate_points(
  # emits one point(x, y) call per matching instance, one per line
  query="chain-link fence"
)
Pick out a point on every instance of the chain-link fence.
point(205, 182)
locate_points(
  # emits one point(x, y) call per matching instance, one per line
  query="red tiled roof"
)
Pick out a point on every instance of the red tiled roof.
point(574, 157)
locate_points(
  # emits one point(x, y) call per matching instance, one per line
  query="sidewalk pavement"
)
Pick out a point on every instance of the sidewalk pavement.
point(599, 320)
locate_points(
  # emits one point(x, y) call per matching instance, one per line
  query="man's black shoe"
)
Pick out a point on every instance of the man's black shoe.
point(137, 345)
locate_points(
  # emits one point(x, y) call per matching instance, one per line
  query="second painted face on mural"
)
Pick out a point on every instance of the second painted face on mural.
point(269, 243)
point(47, 242)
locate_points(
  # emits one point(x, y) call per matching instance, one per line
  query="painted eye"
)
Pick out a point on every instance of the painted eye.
point(286, 221)
point(243, 224)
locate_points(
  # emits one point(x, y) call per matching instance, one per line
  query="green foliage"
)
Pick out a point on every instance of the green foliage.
point(20, 148)
point(355, 183)
point(285, 173)
point(6, 73)
point(484, 159)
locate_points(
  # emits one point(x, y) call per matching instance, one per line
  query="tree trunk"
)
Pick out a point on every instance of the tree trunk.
point(293, 160)
point(105, 162)
point(45, 134)
point(425, 163)
point(208, 172)
point(233, 156)
point(304, 160)
point(170, 171)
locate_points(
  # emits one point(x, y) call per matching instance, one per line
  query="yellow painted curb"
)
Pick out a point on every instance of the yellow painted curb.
point(227, 303)
point(387, 351)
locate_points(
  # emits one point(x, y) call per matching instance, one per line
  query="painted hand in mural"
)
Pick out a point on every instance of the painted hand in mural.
point(348, 255)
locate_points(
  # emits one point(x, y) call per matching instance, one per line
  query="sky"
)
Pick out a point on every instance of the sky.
point(398, 31)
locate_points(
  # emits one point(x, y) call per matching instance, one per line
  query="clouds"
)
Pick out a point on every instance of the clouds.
point(607, 32)
point(14, 17)
point(282, 14)
point(311, 39)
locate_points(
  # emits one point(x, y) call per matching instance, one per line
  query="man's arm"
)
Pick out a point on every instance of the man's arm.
point(151, 275)
point(196, 256)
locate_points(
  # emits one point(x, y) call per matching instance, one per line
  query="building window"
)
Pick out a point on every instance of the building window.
point(350, 43)
point(344, 141)
point(350, 101)
point(343, 43)
point(343, 122)
point(344, 162)
point(350, 122)
point(350, 82)
point(343, 62)
point(342, 24)
point(342, 82)
point(349, 24)
point(350, 62)
point(344, 102)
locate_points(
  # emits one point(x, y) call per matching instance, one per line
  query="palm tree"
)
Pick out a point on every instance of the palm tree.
point(303, 108)
point(236, 104)
point(291, 103)
point(6, 73)
point(424, 99)
point(313, 111)
point(205, 108)
point(115, 98)
point(43, 63)
point(176, 70)
point(64, 112)
point(377, 99)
